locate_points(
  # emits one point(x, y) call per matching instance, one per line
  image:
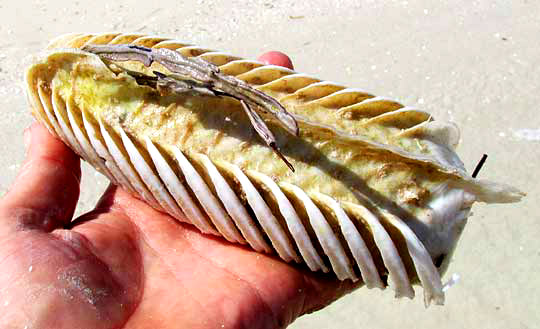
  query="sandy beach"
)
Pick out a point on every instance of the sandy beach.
point(476, 63)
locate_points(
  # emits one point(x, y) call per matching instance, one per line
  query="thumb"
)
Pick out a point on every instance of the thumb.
point(45, 192)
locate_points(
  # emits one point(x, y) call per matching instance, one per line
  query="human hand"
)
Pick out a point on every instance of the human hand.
point(126, 265)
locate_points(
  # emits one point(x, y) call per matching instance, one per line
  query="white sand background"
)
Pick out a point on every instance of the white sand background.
point(476, 63)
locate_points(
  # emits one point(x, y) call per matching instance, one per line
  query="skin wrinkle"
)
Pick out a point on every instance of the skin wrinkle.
point(73, 254)
point(137, 237)
point(178, 281)
point(142, 237)
point(65, 167)
point(59, 165)
point(29, 218)
point(118, 211)
point(303, 300)
point(101, 227)
point(108, 202)
point(235, 275)
point(339, 291)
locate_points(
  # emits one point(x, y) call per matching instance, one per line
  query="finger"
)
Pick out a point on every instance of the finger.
point(45, 192)
point(322, 289)
point(276, 58)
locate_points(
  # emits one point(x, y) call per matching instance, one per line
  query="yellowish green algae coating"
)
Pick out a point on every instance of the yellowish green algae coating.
point(219, 128)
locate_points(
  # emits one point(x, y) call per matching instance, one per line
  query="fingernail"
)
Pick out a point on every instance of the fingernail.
point(27, 137)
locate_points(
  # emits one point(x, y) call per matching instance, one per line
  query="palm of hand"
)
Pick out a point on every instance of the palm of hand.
point(125, 265)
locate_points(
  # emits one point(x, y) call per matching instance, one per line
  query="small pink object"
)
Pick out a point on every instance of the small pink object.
point(276, 58)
